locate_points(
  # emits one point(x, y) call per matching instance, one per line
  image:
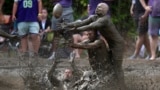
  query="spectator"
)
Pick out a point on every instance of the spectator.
point(1, 4)
point(67, 16)
point(1, 14)
point(45, 24)
point(154, 24)
point(27, 12)
point(79, 37)
point(4, 24)
point(137, 11)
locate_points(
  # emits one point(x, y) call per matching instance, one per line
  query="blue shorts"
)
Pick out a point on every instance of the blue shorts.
point(142, 28)
point(25, 28)
point(154, 26)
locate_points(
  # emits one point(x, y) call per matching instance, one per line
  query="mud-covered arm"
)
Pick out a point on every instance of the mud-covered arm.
point(54, 81)
point(94, 44)
point(80, 23)
point(93, 26)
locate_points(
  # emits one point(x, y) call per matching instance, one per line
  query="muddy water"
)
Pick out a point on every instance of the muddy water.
point(139, 74)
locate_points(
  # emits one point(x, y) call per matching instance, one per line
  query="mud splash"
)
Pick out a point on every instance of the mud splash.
point(139, 74)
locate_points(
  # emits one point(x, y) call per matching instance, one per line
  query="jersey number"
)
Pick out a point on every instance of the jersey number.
point(27, 3)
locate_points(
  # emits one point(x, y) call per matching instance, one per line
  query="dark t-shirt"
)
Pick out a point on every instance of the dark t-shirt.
point(7, 7)
point(138, 6)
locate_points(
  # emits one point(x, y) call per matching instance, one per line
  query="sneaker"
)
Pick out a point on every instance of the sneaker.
point(132, 57)
point(52, 56)
point(148, 57)
point(72, 56)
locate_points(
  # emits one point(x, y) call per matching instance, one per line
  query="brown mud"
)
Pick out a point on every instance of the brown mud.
point(140, 74)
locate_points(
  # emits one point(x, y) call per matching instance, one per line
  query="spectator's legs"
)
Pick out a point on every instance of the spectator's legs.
point(1, 4)
point(154, 44)
point(24, 44)
point(23, 32)
point(142, 39)
point(138, 46)
point(76, 39)
point(34, 37)
point(1, 13)
point(54, 47)
point(154, 31)
point(67, 15)
point(142, 29)
point(147, 44)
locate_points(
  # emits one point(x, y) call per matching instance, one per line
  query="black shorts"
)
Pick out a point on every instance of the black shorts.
point(142, 28)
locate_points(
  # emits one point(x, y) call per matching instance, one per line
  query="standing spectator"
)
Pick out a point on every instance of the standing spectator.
point(27, 13)
point(1, 4)
point(132, 7)
point(1, 14)
point(79, 37)
point(45, 24)
point(154, 24)
point(67, 16)
point(137, 11)
point(93, 4)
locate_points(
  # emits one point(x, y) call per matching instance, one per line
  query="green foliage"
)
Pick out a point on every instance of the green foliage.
point(49, 5)
point(121, 17)
point(80, 8)
point(7, 7)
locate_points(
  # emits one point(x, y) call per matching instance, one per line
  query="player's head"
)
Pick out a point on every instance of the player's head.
point(102, 9)
point(57, 10)
point(44, 13)
point(92, 34)
point(68, 73)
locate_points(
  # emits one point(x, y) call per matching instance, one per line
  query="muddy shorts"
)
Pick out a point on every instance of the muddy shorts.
point(154, 26)
point(142, 28)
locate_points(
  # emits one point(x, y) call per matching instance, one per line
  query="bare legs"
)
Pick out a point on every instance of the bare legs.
point(35, 39)
point(54, 47)
point(142, 39)
point(76, 39)
point(24, 44)
point(30, 43)
point(1, 13)
point(153, 44)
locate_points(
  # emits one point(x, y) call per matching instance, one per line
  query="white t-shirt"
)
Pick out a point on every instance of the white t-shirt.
point(43, 24)
point(133, 1)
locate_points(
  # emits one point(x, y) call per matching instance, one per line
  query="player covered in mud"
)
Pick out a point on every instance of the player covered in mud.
point(101, 22)
point(97, 51)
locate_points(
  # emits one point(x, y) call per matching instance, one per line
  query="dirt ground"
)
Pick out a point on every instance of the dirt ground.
point(140, 74)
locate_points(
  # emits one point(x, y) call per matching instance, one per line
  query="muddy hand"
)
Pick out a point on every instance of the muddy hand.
point(73, 30)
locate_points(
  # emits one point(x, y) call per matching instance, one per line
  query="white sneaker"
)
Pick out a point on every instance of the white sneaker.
point(52, 56)
point(72, 56)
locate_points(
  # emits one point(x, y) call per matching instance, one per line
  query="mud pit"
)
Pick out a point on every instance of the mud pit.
point(139, 74)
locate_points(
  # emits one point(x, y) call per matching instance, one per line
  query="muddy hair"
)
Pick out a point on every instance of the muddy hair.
point(96, 34)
